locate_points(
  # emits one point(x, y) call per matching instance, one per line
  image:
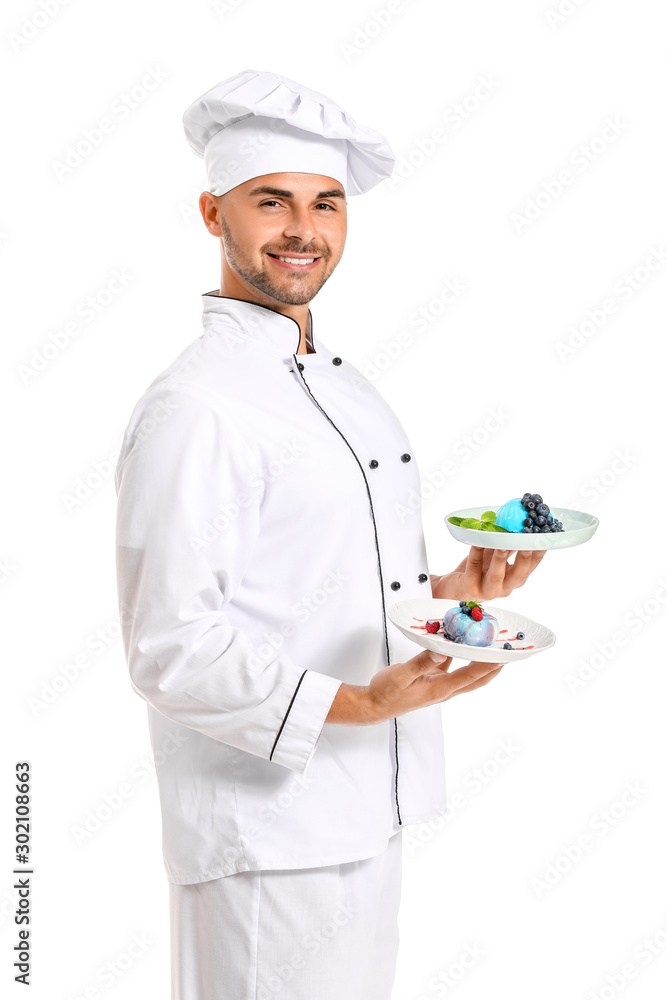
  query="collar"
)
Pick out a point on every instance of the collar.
point(274, 333)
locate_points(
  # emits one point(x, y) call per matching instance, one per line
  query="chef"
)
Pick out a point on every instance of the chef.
point(260, 542)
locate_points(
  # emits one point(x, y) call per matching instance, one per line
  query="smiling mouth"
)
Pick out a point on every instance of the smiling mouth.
point(295, 262)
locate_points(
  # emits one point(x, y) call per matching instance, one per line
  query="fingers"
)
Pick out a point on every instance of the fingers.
point(440, 658)
point(424, 661)
point(524, 564)
point(481, 681)
point(494, 577)
point(473, 674)
point(474, 569)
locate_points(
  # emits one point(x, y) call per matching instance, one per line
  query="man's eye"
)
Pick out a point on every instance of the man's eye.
point(272, 201)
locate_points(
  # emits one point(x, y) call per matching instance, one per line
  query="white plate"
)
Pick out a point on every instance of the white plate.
point(415, 611)
point(578, 527)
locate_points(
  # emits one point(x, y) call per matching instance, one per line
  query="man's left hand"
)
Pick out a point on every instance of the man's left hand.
point(486, 573)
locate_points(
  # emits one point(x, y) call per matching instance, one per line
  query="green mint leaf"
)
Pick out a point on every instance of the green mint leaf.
point(469, 522)
point(489, 515)
point(455, 520)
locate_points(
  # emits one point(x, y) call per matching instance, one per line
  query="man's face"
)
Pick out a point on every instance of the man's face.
point(283, 214)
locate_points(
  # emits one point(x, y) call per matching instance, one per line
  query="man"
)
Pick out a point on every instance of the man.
point(258, 549)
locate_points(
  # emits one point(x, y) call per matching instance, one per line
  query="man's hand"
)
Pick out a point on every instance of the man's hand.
point(487, 573)
point(423, 680)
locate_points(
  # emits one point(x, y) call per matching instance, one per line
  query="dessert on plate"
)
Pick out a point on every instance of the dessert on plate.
point(528, 515)
point(470, 624)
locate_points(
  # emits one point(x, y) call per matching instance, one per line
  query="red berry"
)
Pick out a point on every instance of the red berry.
point(432, 625)
point(476, 614)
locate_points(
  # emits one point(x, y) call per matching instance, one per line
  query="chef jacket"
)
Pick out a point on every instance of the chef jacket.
point(267, 518)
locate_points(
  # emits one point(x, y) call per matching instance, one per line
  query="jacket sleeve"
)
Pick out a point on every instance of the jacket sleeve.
point(187, 519)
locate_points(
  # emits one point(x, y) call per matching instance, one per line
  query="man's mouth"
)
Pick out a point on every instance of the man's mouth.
point(295, 262)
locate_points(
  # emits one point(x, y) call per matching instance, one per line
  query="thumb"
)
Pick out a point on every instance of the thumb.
point(439, 658)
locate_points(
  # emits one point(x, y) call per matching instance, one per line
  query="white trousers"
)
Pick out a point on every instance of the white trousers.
point(327, 933)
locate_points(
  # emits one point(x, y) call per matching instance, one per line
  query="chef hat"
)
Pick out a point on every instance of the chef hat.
point(258, 123)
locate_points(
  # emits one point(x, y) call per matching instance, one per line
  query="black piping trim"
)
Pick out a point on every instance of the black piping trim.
point(250, 302)
point(275, 742)
point(377, 548)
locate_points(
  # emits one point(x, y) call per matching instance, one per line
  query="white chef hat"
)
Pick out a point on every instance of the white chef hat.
point(258, 123)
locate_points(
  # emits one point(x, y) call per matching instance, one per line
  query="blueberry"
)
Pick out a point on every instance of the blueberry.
point(527, 531)
point(550, 519)
point(508, 646)
point(527, 523)
point(536, 497)
point(521, 635)
point(545, 528)
point(542, 509)
point(462, 604)
point(530, 505)
point(541, 521)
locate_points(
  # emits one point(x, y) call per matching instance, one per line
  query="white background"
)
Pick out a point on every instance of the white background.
point(581, 423)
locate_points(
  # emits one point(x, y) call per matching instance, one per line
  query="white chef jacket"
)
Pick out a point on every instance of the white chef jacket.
point(261, 537)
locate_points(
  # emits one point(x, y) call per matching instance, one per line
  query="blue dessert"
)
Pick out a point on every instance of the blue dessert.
point(469, 623)
point(528, 515)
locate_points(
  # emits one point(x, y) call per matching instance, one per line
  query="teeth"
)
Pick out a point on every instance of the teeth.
point(298, 260)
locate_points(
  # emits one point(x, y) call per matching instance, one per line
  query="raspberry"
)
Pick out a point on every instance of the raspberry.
point(432, 625)
point(476, 614)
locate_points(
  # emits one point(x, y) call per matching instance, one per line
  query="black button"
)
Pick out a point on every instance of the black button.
point(299, 366)
point(337, 361)
point(395, 585)
point(374, 463)
point(423, 578)
point(405, 458)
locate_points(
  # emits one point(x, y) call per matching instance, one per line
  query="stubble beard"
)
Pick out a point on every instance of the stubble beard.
point(295, 293)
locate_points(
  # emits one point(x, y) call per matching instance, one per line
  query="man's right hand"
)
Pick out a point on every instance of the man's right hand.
point(402, 687)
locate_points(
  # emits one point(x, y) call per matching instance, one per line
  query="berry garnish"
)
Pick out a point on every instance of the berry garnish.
point(539, 513)
point(476, 613)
